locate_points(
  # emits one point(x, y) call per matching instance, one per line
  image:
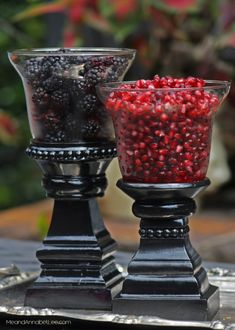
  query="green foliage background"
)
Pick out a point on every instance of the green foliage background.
point(197, 40)
point(19, 176)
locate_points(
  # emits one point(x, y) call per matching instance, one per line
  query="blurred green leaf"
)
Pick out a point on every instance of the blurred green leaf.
point(5, 195)
point(96, 21)
point(40, 9)
point(122, 31)
point(177, 6)
point(18, 173)
point(106, 8)
point(42, 225)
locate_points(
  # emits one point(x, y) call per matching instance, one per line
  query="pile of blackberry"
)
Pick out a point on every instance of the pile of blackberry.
point(65, 106)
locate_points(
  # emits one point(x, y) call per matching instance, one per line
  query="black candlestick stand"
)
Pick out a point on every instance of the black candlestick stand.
point(78, 267)
point(165, 277)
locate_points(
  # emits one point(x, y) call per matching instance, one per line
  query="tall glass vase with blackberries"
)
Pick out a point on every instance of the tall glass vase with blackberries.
point(73, 143)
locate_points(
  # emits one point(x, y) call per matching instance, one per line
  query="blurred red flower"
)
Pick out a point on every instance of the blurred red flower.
point(8, 128)
point(123, 8)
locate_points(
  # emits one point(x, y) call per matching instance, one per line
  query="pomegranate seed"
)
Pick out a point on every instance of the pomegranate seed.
point(148, 140)
point(188, 163)
point(172, 161)
point(163, 152)
point(166, 139)
point(146, 173)
point(153, 146)
point(171, 134)
point(144, 158)
point(178, 136)
point(187, 146)
point(146, 166)
point(142, 145)
point(188, 156)
point(161, 157)
point(179, 149)
point(136, 153)
point(160, 164)
point(173, 126)
point(134, 133)
point(159, 109)
point(147, 129)
point(159, 133)
point(164, 117)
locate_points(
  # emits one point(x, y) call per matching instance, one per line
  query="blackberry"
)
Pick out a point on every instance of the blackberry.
point(78, 60)
point(108, 60)
point(36, 83)
point(56, 63)
point(62, 63)
point(53, 83)
point(71, 59)
point(60, 136)
point(90, 129)
point(93, 62)
point(41, 98)
point(95, 75)
point(77, 87)
point(113, 75)
point(54, 130)
point(88, 104)
point(119, 61)
point(55, 137)
point(60, 98)
point(34, 69)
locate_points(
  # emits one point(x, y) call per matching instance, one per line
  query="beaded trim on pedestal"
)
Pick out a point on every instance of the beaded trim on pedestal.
point(163, 233)
point(73, 154)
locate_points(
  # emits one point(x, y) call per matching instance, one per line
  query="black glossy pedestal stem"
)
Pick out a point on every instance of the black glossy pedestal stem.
point(78, 267)
point(165, 277)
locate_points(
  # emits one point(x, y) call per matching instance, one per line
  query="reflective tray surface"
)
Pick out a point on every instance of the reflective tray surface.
point(225, 318)
point(24, 268)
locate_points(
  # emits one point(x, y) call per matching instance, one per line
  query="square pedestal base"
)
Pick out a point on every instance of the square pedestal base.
point(92, 298)
point(174, 308)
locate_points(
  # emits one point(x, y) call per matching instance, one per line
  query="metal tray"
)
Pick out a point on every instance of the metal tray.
point(225, 318)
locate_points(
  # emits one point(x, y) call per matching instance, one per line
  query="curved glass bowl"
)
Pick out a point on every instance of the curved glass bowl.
point(163, 135)
point(59, 85)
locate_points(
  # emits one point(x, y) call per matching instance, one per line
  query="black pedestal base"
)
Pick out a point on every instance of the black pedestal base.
point(79, 298)
point(77, 262)
point(78, 268)
point(165, 276)
point(187, 308)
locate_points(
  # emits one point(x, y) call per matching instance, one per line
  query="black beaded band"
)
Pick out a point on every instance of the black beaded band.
point(71, 154)
point(163, 233)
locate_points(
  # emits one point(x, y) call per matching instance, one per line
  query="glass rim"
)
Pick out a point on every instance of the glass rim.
point(102, 51)
point(210, 84)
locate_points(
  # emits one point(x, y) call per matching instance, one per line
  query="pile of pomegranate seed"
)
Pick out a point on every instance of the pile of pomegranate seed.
point(163, 130)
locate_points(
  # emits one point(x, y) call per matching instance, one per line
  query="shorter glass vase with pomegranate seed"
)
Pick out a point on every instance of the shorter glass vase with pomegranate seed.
point(163, 127)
